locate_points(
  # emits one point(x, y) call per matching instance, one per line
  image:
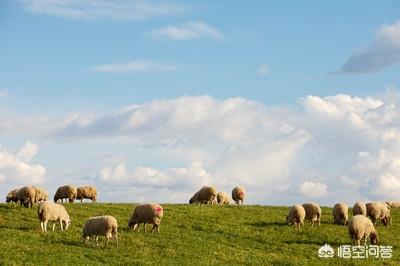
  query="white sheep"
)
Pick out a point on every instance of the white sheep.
point(313, 213)
point(222, 198)
point(238, 195)
point(87, 192)
point(146, 213)
point(26, 196)
point(66, 192)
point(40, 194)
point(359, 208)
point(340, 213)
point(379, 211)
point(360, 227)
point(106, 226)
point(49, 211)
point(296, 216)
point(393, 204)
point(206, 194)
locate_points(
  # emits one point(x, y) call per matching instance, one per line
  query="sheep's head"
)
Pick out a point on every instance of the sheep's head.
point(67, 223)
point(374, 238)
point(385, 220)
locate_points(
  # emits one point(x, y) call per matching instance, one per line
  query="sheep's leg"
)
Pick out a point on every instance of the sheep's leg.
point(108, 240)
point(144, 225)
point(61, 224)
point(42, 226)
point(136, 227)
point(97, 241)
point(116, 239)
point(54, 226)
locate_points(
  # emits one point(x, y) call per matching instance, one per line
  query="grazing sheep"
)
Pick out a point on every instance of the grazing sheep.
point(222, 198)
point(106, 226)
point(360, 227)
point(340, 213)
point(379, 211)
point(66, 192)
point(296, 216)
point(238, 195)
point(49, 211)
point(12, 196)
point(359, 208)
point(26, 196)
point(146, 213)
point(40, 194)
point(205, 195)
point(393, 204)
point(313, 213)
point(87, 192)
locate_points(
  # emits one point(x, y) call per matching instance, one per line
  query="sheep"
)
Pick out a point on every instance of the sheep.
point(296, 216)
point(106, 226)
point(12, 196)
point(41, 194)
point(378, 211)
point(340, 213)
point(360, 227)
point(66, 192)
point(313, 213)
point(49, 211)
point(393, 204)
point(359, 208)
point(146, 213)
point(205, 195)
point(238, 195)
point(87, 192)
point(222, 198)
point(26, 196)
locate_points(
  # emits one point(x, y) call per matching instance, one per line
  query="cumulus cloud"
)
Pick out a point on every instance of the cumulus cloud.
point(188, 30)
point(263, 70)
point(102, 9)
point(138, 66)
point(313, 189)
point(382, 52)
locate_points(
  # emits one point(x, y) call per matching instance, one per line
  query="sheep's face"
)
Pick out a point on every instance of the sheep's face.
point(374, 238)
point(385, 220)
point(191, 201)
point(67, 224)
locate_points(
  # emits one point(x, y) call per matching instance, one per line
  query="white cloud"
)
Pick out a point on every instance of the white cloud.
point(313, 189)
point(138, 66)
point(263, 69)
point(188, 30)
point(15, 168)
point(382, 52)
point(102, 9)
point(4, 93)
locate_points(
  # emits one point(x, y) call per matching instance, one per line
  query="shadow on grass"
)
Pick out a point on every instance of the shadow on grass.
point(312, 242)
point(266, 224)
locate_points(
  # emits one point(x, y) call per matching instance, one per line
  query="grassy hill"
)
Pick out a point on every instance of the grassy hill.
point(189, 235)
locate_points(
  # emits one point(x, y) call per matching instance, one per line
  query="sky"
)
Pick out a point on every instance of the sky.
point(150, 100)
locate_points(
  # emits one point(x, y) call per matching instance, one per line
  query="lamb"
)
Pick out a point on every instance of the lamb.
point(12, 196)
point(238, 195)
point(205, 195)
point(26, 196)
point(222, 198)
point(40, 194)
point(49, 211)
point(340, 213)
point(106, 226)
point(66, 192)
point(360, 227)
point(146, 213)
point(313, 213)
point(296, 216)
point(87, 192)
point(359, 208)
point(378, 211)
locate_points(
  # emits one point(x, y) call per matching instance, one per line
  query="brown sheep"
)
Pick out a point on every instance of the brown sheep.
point(12, 196)
point(146, 213)
point(66, 192)
point(205, 195)
point(87, 192)
point(238, 195)
point(26, 196)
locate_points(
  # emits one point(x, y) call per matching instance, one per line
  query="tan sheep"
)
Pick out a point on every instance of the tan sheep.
point(313, 213)
point(205, 195)
point(146, 213)
point(378, 211)
point(86, 192)
point(393, 204)
point(359, 208)
point(66, 192)
point(238, 195)
point(49, 211)
point(26, 196)
point(12, 196)
point(340, 213)
point(223, 198)
point(40, 194)
point(106, 226)
point(296, 216)
point(360, 227)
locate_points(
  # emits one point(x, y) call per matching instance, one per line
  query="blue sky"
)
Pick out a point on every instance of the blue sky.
point(70, 68)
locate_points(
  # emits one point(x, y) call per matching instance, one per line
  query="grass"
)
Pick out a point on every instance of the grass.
point(190, 234)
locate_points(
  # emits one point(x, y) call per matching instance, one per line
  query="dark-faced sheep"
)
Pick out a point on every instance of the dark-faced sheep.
point(205, 195)
point(12, 196)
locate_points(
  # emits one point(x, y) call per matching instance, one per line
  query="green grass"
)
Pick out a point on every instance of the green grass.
point(189, 234)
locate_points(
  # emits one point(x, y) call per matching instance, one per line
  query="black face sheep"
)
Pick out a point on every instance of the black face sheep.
point(66, 192)
point(222, 198)
point(360, 227)
point(205, 195)
point(86, 192)
point(146, 213)
point(12, 196)
point(359, 208)
point(49, 211)
point(313, 213)
point(26, 196)
point(106, 226)
point(238, 195)
point(296, 216)
point(340, 213)
point(40, 194)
